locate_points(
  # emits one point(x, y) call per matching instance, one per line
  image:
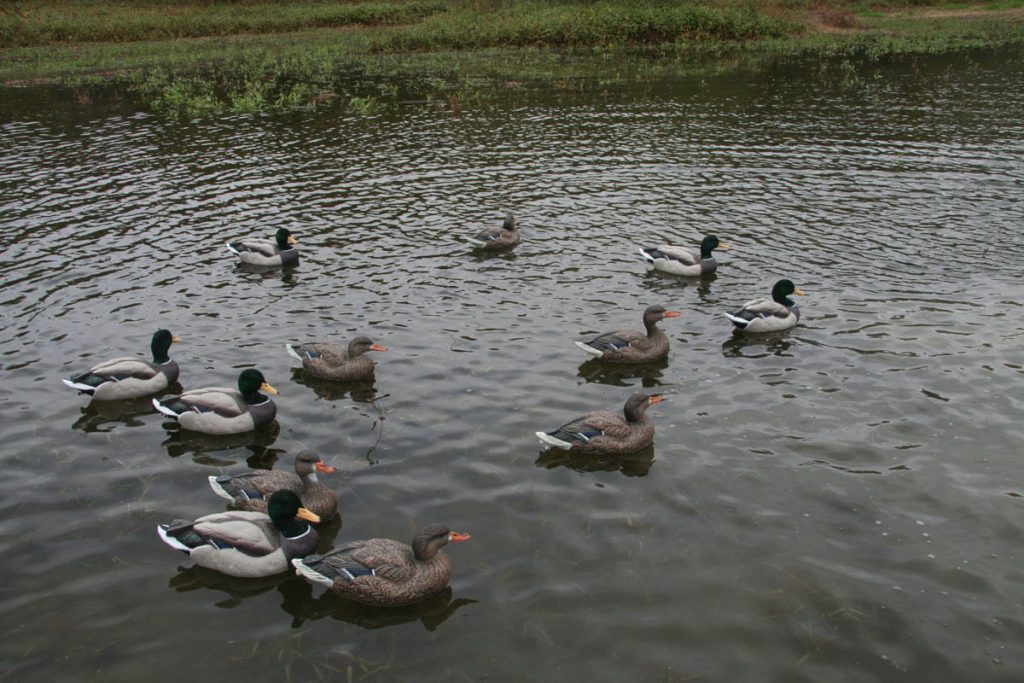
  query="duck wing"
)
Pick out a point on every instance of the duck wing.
point(762, 308)
point(687, 256)
point(382, 557)
point(613, 341)
point(116, 370)
point(254, 485)
point(250, 532)
point(220, 400)
point(254, 245)
point(326, 352)
point(591, 426)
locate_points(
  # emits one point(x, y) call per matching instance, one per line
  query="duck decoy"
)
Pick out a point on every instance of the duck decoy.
point(220, 410)
point(124, 378)
point(769, 315)
point(604, 432)
point(382, 572)
point(631, 346)
point(688, 261)
point(244, 543)
point(250, 491)
point(496, 239)
point(328, 360)
point(258, 251)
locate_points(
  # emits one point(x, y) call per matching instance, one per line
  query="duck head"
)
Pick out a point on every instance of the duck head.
point(251, 383)
point(510, 222)
point(361, 345)
point(287, 514)
point(161, 346)
point(636, 405)
point(285, 239)
point(309, 464)
point(434, 537)
point(782, 290)
point(654, 314)
point(709, 244)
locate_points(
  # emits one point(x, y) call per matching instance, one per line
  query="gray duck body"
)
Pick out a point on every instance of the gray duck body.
point(259, 251)
point(126, 378)
point(222, 410)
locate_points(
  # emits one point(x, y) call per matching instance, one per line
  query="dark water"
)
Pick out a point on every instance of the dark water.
point(841, 502)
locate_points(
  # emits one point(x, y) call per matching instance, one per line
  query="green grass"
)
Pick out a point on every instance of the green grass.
point(199, 58)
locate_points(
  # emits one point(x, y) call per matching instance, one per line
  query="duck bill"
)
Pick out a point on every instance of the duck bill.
point(324, 468)
point(305, 514)
point(176, 340)
point(378, 347)
point(672, 314)
point(656, 399)
point(455, 537)
point(723, 245)
point(799, 292)
point(269, 389)
point(292, 240)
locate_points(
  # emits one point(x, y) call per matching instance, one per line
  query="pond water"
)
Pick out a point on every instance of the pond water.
point(840, 502)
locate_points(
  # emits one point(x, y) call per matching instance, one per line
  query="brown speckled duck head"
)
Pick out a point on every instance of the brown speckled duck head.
point(655, 314)
point(308, 464)
point(637, 405)
point(434, 537)
point(361, 345)
point(510, 222)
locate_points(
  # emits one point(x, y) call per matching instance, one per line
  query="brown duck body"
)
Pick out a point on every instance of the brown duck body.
point(337, 362)
point(383, 572)
point(603, 432)
point(250, 491)
point(498, 239)
point(632, 346)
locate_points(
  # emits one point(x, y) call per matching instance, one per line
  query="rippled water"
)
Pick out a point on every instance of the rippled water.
point(839, 502)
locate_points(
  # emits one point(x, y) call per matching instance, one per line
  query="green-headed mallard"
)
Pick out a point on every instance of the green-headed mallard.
point(769, 315)
point(689, 261)
point(604, 432)
point(250, 490)
point(257, 251)
point(220, 410)
point(124, 378)
point(379, 571)
point(328, 360)
point(631, 346)
point(247, 544)
point(495, 239)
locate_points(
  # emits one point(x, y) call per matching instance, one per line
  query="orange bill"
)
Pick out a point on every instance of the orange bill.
point(672, 314)
point(305, 514)
point(269, 389)
point(292, 240)
point(455, 537)
point(378, 347)
point(324, 467)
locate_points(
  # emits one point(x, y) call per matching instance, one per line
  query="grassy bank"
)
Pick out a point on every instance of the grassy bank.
point(196, 57)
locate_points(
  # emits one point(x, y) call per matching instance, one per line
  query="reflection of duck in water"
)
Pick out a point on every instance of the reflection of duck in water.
point(631, 346)
point(220, 410)
point(257, 251)
point(498, 239)
point(769, 315)
point(125, 378)
point(621, 374)
point(383, 572)
point(637, 464)
point(688, 261)
point(327, 360)
point(247, 544)
point(250, 490)
point(604, 432)
point(364, 391)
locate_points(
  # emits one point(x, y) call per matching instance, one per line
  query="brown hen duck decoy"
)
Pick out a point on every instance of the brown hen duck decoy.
point(250, 491)
point(382, 572)
point(496, 239)
point(631, 346)
point(604, 432)
point(328, 360)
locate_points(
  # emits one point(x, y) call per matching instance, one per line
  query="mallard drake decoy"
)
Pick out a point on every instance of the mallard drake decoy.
point(689, 261)
point(220, 410)
point(494, 239)
point(244, 543)
point(124, 378)
point(382, 572)
point(249, 491)
point(257, 251)
point(769, 315)
point(603, 432)
point(328, 360)
point(630, 346)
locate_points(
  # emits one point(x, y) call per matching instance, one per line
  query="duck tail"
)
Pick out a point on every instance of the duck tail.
point(550, 439)
point(80, 386)
point(171, 405)
point(476, 242)
point(217, 484)
point(739, 322)
point(233, 248)
point(179, 535)
point(590, 349)
point(648, 253)
point(293, 351)
point(304, 567)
